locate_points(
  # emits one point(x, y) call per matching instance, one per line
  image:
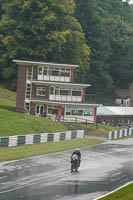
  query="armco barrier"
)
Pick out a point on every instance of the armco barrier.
point(120, 133)
point(18, 140)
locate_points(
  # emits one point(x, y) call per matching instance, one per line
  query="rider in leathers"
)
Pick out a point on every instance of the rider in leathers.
point(78, 153)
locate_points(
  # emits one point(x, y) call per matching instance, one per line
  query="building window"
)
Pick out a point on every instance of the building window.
point(79, 111)
point(76, 111)
point(45, 71)
point(122, 101)
point(41, 91)
point(89, 112)
point(27, 107)
point(57, 91)
point(65, 72)
point(76, 92)
point(52, 90)
point(65, 92)
point(29, 73)
point(52, 109)
point(68, 111)
point(54, 71)
point(39, 109)
point(28, 91)
point(40, 70)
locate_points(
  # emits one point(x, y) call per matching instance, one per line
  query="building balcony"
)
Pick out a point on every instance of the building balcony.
point(54, 78)
point(87, 99)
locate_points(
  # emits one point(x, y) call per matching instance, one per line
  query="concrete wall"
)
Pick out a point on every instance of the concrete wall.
point(120, 133)
point(18, 140)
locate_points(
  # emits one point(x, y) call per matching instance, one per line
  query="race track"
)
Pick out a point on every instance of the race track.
point(103, 168)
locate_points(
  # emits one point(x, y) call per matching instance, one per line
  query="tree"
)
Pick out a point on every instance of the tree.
point(120, 32)
point(93, 25)
point(42, 31)
point(107, 25)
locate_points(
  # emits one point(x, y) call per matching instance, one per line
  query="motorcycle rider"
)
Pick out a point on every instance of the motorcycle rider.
point(78, 153)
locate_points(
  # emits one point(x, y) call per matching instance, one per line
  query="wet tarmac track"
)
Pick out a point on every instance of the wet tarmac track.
point(104, 168)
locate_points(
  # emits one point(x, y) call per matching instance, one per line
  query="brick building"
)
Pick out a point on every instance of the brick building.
point(47, 89)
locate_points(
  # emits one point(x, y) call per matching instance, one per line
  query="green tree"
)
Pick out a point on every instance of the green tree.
point(93, 25)
point(42, 31)
point(107, 25)
point(120, 32)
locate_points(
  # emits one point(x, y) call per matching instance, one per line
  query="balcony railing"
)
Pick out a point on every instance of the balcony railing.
point(54, 78)
point(88, 99)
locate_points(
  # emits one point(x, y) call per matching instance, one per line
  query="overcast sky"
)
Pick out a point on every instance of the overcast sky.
point(131, 1)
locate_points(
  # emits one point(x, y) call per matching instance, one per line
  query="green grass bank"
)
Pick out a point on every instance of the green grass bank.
point(125, 193)
point(12, 123)
point(25, 151)
point(93, 130)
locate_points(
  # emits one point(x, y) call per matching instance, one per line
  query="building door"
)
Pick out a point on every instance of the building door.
point(39, 109)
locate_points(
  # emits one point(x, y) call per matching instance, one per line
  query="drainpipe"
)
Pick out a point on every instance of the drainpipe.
point(59, 113)
point(83, 94)
point(71, 75)
point(95, 115)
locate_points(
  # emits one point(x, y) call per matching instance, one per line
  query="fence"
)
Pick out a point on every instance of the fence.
point(18, 140)
point(115, 120)
point(120, 133)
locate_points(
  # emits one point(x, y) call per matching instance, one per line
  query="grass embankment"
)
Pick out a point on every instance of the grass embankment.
point(92, 130)
point(15, 153)
point(7, 99)
point(125, 193)
point(12, 123)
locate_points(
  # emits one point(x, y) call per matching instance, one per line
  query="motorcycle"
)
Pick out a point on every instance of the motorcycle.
point(74, 163)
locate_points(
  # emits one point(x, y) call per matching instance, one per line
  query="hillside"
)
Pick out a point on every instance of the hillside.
point(95, 34)
point(12, 123)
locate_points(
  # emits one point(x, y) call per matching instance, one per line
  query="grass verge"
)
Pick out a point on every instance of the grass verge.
point(124, 138)
point(15, 153)
point(125, 193)
point(92, 130)
point(7, 94)
point(12, 123)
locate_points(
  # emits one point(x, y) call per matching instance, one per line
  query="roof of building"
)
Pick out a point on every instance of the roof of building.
point(61, 83)
point(31, 63)
point(79, 104)
point(114, 110)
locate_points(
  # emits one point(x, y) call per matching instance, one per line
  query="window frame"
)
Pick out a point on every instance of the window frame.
point(40, 89)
